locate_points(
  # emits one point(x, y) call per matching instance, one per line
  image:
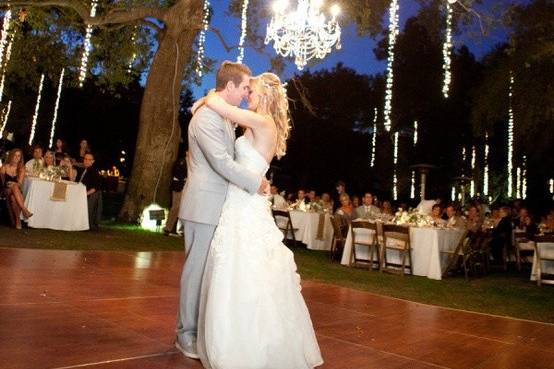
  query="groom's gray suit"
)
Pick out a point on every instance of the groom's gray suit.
point(211, 167)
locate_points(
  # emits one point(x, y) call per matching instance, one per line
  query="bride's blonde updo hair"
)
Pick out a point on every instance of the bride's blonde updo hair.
point(274, 102)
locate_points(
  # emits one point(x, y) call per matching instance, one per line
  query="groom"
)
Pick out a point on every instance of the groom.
point(211, 167)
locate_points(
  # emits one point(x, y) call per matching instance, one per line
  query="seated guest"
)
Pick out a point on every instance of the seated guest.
point(277, 201)
point(68, 172)
point(84, 149)
point(312, 196)
point(13, 174)
point(326, 202)
point(301, 201)
point(548, 222)
point(60, 151)
point(367, 210)
point(355, 201)
point(344, 213)
point(436, 214)
point(454, 218)
point(35, 165)
point(474, 221)
point(387, 209)
point(91, 179)
point(524, 222)
point(341, 189)
point(502, 234)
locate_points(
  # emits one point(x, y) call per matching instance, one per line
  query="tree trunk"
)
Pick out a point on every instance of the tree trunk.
point(159, 131)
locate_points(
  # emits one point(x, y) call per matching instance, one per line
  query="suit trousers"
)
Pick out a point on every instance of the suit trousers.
point(198, 238)
point(94, 202)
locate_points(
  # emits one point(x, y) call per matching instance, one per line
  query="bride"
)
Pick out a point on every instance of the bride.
point(252, 314)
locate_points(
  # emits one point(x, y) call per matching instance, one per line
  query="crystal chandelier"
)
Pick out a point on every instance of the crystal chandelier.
point(304, 33)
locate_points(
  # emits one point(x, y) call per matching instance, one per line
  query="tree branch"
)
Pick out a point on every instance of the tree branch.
point(113, 16)
point(222, 40)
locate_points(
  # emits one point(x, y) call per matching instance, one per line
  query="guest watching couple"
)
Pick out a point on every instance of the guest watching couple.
point(277, 201)
point(367, 210)
point(60, 151)
point(66, 169)
point(13, 174)
point(387, 210)
point(302, 201)
point(474, 221)
point(502, 235)
point(91, 179)
point(524, 222)
point(341, 189)
point(454, 218)
point(436, 215)
point(326, 202)
point(344, 213)
point(84, 149)
point(35, 165)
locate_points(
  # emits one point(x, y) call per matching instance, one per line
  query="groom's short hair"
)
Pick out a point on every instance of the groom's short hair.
point(229, 71)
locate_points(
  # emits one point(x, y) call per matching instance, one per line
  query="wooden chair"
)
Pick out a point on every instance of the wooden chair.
point(480, 251)
point(372, 244)
point(523, 247)
point(538, 240)
point(288, 227)
point(337, 245)
point(463, 252)
point(401, 235)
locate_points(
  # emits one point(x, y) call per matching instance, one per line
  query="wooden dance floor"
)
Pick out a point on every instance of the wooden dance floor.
point(100, 310)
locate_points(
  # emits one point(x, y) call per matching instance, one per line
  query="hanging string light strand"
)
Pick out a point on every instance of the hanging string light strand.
point(395, 176)
point(510, 136)
point(243, 25)
point(393, 32)
point(37, 106)
point(5, 116)
point(374, 138)
point(55, 118)
point(473, 160)
point(5, 34)
point(447, 52)
point(87, 46)
point(202, 39)
point(486, 170)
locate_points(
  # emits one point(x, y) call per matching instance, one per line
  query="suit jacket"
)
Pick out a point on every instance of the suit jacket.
point(90, 178)
point(361, 212)
point(211, 167)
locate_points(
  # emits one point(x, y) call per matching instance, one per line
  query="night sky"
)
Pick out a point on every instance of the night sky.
point(356, 52)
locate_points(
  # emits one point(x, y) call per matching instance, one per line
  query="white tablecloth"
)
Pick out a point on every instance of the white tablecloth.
point(426, 244)
point(68, 215)
point(307, 224)
point(546, 249)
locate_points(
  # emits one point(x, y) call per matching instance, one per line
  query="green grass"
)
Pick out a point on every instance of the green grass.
point(500, 293)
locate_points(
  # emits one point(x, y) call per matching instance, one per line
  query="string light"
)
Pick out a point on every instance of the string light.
point(395, 177)
point(412, 187)
point(5, 58)
point(87, 46)
point(486, 171)
point(447, 52)
point(133, 38)
point(5, 34)
point(415, 133)
point(551, 185)
point(374, 138)
point(5, 120)
point(518, 182)
point(55, 118)
point(243, 25)
point(37, 106)
point(510, 136)
point(473, 160)
point(202, 38)
point(393, 32)
point(453, 193)
point(524, 178)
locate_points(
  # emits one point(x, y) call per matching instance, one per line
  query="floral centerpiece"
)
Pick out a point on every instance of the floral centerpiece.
point(412, 218)
point(52, 173)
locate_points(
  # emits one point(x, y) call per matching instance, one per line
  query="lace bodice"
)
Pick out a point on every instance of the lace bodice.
point(249, 157)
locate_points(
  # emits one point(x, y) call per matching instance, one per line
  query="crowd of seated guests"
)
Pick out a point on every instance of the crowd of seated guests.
point(13, 170)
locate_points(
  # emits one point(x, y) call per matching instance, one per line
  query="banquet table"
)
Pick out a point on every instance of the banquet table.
point(308, 225)
point(426, 246)
point(68, 215)
point(546, 249)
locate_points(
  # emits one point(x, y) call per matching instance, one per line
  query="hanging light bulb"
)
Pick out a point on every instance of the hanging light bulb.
point(393, 32)
point(5, 118)
point(243, 25)
point(374, 138)
point(453, 193)
point(37, 106)
point(415, 133)
point(412, 187)
point(87, 45)
point(486, 170)
point(510, 136)
point(551, 185)
point(55, 118)
point(202, 38)
point(395, 177)
point(447, 52)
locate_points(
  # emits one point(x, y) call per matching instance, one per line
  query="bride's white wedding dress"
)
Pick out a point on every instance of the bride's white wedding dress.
point(252, 314)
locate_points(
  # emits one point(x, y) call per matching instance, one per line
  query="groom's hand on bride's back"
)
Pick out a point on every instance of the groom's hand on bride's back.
point(264, 188)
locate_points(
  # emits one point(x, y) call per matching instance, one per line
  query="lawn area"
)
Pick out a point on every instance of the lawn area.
point(499, 293)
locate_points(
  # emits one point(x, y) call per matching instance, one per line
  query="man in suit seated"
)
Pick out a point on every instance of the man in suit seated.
point(302, 201)
point(367, 210)
point(91, 179)
point(454, 219)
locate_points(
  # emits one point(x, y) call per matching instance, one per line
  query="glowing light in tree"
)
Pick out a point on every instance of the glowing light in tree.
point(374, 138)
point(453, 193)
point(6, 114)
point(486, 170)
point(473, 160)
point(412, 187)
point(202, 38)
point(393, 32)
point(243, 25)
point(415, 133)
point(551, 185)
point(5, 34)
point(447, 51)
point(133, 38)
point(524, 178)
point(87, 46)
point(395, 176)
point(518, 182)
point(5, 57)
point(510, 137)
point(37, 106)
point(55, 118)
